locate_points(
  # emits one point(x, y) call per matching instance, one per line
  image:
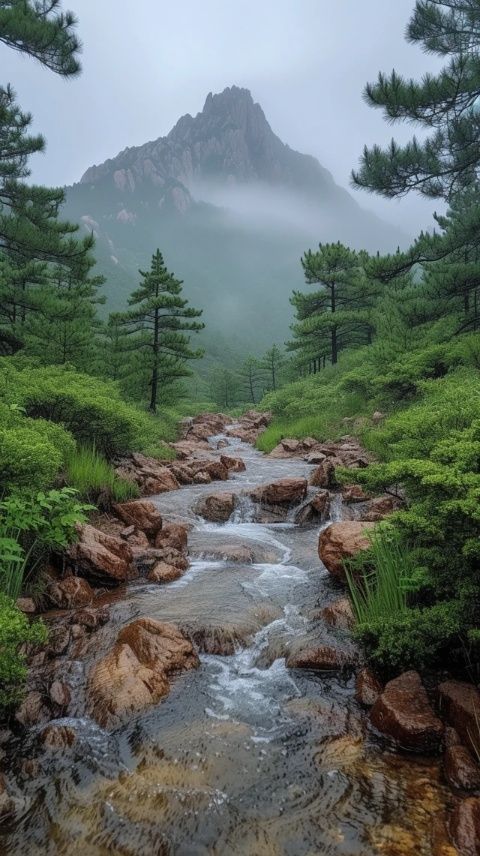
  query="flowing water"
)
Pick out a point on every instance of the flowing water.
point(244, 756)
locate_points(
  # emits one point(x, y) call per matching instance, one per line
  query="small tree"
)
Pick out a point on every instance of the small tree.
point(251, 375)
point(272, 363)
point(156, 327)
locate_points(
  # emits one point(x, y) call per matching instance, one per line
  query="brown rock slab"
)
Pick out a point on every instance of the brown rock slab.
point(323, 475)
point(142, 514)
point(403, 714)
point(367, 688)
point(172, 535)
point(59, 693)
point(135, 673)
point(338, 614)
point(459, 704)
point(235, 465)
point(461, 771)
point(58, 737)
point(163, 573)
point(33, 709)
point(282, 492)
point(217, 507)
point(354, 493)
point(341, 541)
point(322, 658)
point(70, 593)
point(380, 507)
point(103, 558)
point(465, 827)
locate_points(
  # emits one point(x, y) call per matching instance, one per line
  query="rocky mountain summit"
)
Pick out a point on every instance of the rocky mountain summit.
point(232, 208)
point(230, 141)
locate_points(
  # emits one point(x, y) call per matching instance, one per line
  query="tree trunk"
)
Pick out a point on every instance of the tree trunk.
point(154, 381)
point(333, 307)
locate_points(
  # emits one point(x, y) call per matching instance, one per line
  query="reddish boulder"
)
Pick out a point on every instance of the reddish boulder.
point(315, 457)
point(33, 709)
point(163, 573)
point(170, 556)
point(403, 714)
point(367, 688)
point(101, 557)
point(59, 694)
point(322, 658)
point(315, 509)
point(461, 771)
point(354, 493)
point(380, 507)
point(142, 514)
point(217, 507)
point(58, 737)
point(135, 673)
point(282, 492)
point(70, 593)
point(172, 535)
point(91, 618)
point(465, 827)
point(323, 475)
point(341, 541)
point(459, 704)
point(236, 465)
point(202, 478)
point(338, 614)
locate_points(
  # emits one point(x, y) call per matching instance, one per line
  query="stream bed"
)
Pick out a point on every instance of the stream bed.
point(244, 756)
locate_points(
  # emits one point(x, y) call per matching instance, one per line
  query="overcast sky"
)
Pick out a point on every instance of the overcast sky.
point(305, 62)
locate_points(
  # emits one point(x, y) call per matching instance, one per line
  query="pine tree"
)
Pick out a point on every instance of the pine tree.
point(156, 328)
point(446, 104)
point(251, 376)
point(338, 315)
point(225, 387)
point(272, 364)
point(39, 29)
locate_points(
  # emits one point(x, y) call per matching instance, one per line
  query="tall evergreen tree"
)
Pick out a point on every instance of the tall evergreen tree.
point(251, 376)
point(156, 327)
point(338, 314)
point(272, 363)
point(446, 104)
point(41, 30)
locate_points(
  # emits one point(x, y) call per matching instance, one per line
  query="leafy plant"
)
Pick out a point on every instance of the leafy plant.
point(90, 473)
point(16, 631)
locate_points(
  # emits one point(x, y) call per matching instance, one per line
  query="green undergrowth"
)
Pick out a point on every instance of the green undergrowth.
point(95, 479)
point(419, 603)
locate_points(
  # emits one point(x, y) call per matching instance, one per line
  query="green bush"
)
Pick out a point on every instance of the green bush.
point(15, 632)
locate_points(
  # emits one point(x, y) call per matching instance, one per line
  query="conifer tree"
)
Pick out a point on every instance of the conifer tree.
point(339, 313)
point(251, 376)
point(445, 104)
point(272, 363)
point(41, 30)
point(156, 328)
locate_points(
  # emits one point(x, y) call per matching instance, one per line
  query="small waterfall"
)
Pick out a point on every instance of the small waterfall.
point(245, 510)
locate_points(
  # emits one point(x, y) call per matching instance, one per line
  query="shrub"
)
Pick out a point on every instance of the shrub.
point(15, 632)
point(379, 578)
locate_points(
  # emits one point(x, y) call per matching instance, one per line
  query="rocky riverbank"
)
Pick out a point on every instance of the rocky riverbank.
point(127, 616)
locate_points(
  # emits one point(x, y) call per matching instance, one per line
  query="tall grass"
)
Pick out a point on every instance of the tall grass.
point(90, 473)
point(379, 579)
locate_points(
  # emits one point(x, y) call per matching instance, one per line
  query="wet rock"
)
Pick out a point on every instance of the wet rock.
point(100, 557)
point(341, 541)
point(58, 640)
point(459, 704)
point(189, 448)
point(135, 673)
point(33, 710)
point(323, 475)
point(451, 737)
point(70, 593)
point(172, 535)
point(60, 694)
point(354, 493)
point(91, 619)
point(142, 514)
point(137, 541)
point(202, 478)
point(322, 658)
point(283, 492)
point(247, 435)
point(338, 614)
point(217, 507)
point(403, 714)
point(465, 827)
point(461, 771)
point(315, 457)
point(256, 418)
point(169, 555)
point(57, 737)
point(235, 465)
point(182, 473)
point(367, 688)
point(7, 804)
point(26, 605)
point(314, 510)
point(380, 507)
point(163, 573)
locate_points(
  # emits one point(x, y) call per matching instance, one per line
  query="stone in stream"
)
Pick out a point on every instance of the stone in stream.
point(341, 541)
point(403, 714)
point(70, 593)
point(380, 507)
point(338, 614)
point(282, 492)
point(322, 658)
point(367, 688)
point(57, 737)
point(216, 507)
point(461, 770)
point(314, 509)
point(163, 573)
point(172, 535)
point(464, 827)
point(136, 672)
point(352, 493)
point(323, 475)
point(236, 465)
point(459, 704)
point(142, 514)
point(100, 557)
